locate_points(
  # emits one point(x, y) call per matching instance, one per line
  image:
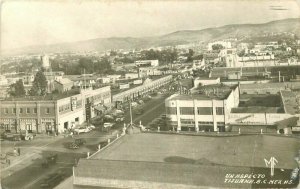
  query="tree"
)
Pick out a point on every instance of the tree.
point(17, 89)
point(217, 47)
point(190, 55)
point(39, 87)
point(86, 64)
point(113, 53)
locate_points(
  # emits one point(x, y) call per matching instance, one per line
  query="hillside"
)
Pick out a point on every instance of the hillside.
point(176, 38)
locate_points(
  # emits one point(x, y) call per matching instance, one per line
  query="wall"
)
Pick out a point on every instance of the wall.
point(256, 118)
point(204, 82)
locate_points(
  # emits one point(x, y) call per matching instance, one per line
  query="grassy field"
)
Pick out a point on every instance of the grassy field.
point(243, 151)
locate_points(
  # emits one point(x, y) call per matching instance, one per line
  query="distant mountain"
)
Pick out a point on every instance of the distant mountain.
point(175, 38)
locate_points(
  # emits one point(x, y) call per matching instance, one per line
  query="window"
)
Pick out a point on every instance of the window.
point(205, 123)
point(6, 110)
point(47, 110)
point(171, 110)
point(14, 110)
point(219, 110)
point(21, 110)
point(187, 110)
point(34, 110)
point(27, 110)
point(7, 127)
point(187, 122)
point(204, 111)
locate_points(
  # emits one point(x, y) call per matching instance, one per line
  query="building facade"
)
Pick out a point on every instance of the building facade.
point(40, 116)
point(200, 112)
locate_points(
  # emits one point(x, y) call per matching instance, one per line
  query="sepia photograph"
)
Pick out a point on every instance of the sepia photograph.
point(149, 94)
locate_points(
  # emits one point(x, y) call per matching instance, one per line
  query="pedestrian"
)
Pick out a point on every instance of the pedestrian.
point(8, 162)
point(15, 151)
point(19, 151)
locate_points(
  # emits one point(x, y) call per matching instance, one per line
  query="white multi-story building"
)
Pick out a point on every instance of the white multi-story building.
point(152, 63)
point(216, 108)
point(202, 112)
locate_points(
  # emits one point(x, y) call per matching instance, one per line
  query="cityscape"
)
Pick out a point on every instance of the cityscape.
point(216, 106)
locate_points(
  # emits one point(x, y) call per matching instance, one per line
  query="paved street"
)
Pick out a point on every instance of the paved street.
point(152, 109)
point(27, 169)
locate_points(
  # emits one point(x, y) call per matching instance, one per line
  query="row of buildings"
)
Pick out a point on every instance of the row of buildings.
point(56, 113)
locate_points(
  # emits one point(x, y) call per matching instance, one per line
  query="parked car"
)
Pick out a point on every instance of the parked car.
point(106, 125)
point(91, 127)
point(18, 136)
point(10, 136)
point(81, 130)
point(77, 143)
point(119, 119)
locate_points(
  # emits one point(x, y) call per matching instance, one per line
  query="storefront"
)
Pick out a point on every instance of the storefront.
point(29, 125)
point(9, 125)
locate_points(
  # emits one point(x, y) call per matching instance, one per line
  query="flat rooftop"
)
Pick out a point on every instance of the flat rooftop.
point(154, 160)
point(152, 147)
point(207, 92)
point(50, 96)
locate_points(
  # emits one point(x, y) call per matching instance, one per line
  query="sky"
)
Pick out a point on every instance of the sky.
point(26, 23)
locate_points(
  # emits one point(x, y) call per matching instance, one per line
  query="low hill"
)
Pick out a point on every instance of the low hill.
point(175, 38)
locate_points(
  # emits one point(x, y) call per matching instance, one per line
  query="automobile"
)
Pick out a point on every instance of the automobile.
point(134, 104)
point(13, 137)
point(81, 130)
point(119, 119)
point(77, 143)
point(106, 125)
point(91, 127)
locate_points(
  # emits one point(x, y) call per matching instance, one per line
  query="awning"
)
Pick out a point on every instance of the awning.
point(289, 122)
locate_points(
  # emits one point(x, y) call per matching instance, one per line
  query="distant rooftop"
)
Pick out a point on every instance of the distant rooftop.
point(64, 81)
point(49, 97)
point(208, 92)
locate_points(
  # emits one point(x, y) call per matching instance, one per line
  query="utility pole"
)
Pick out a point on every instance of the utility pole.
point(130, 112)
